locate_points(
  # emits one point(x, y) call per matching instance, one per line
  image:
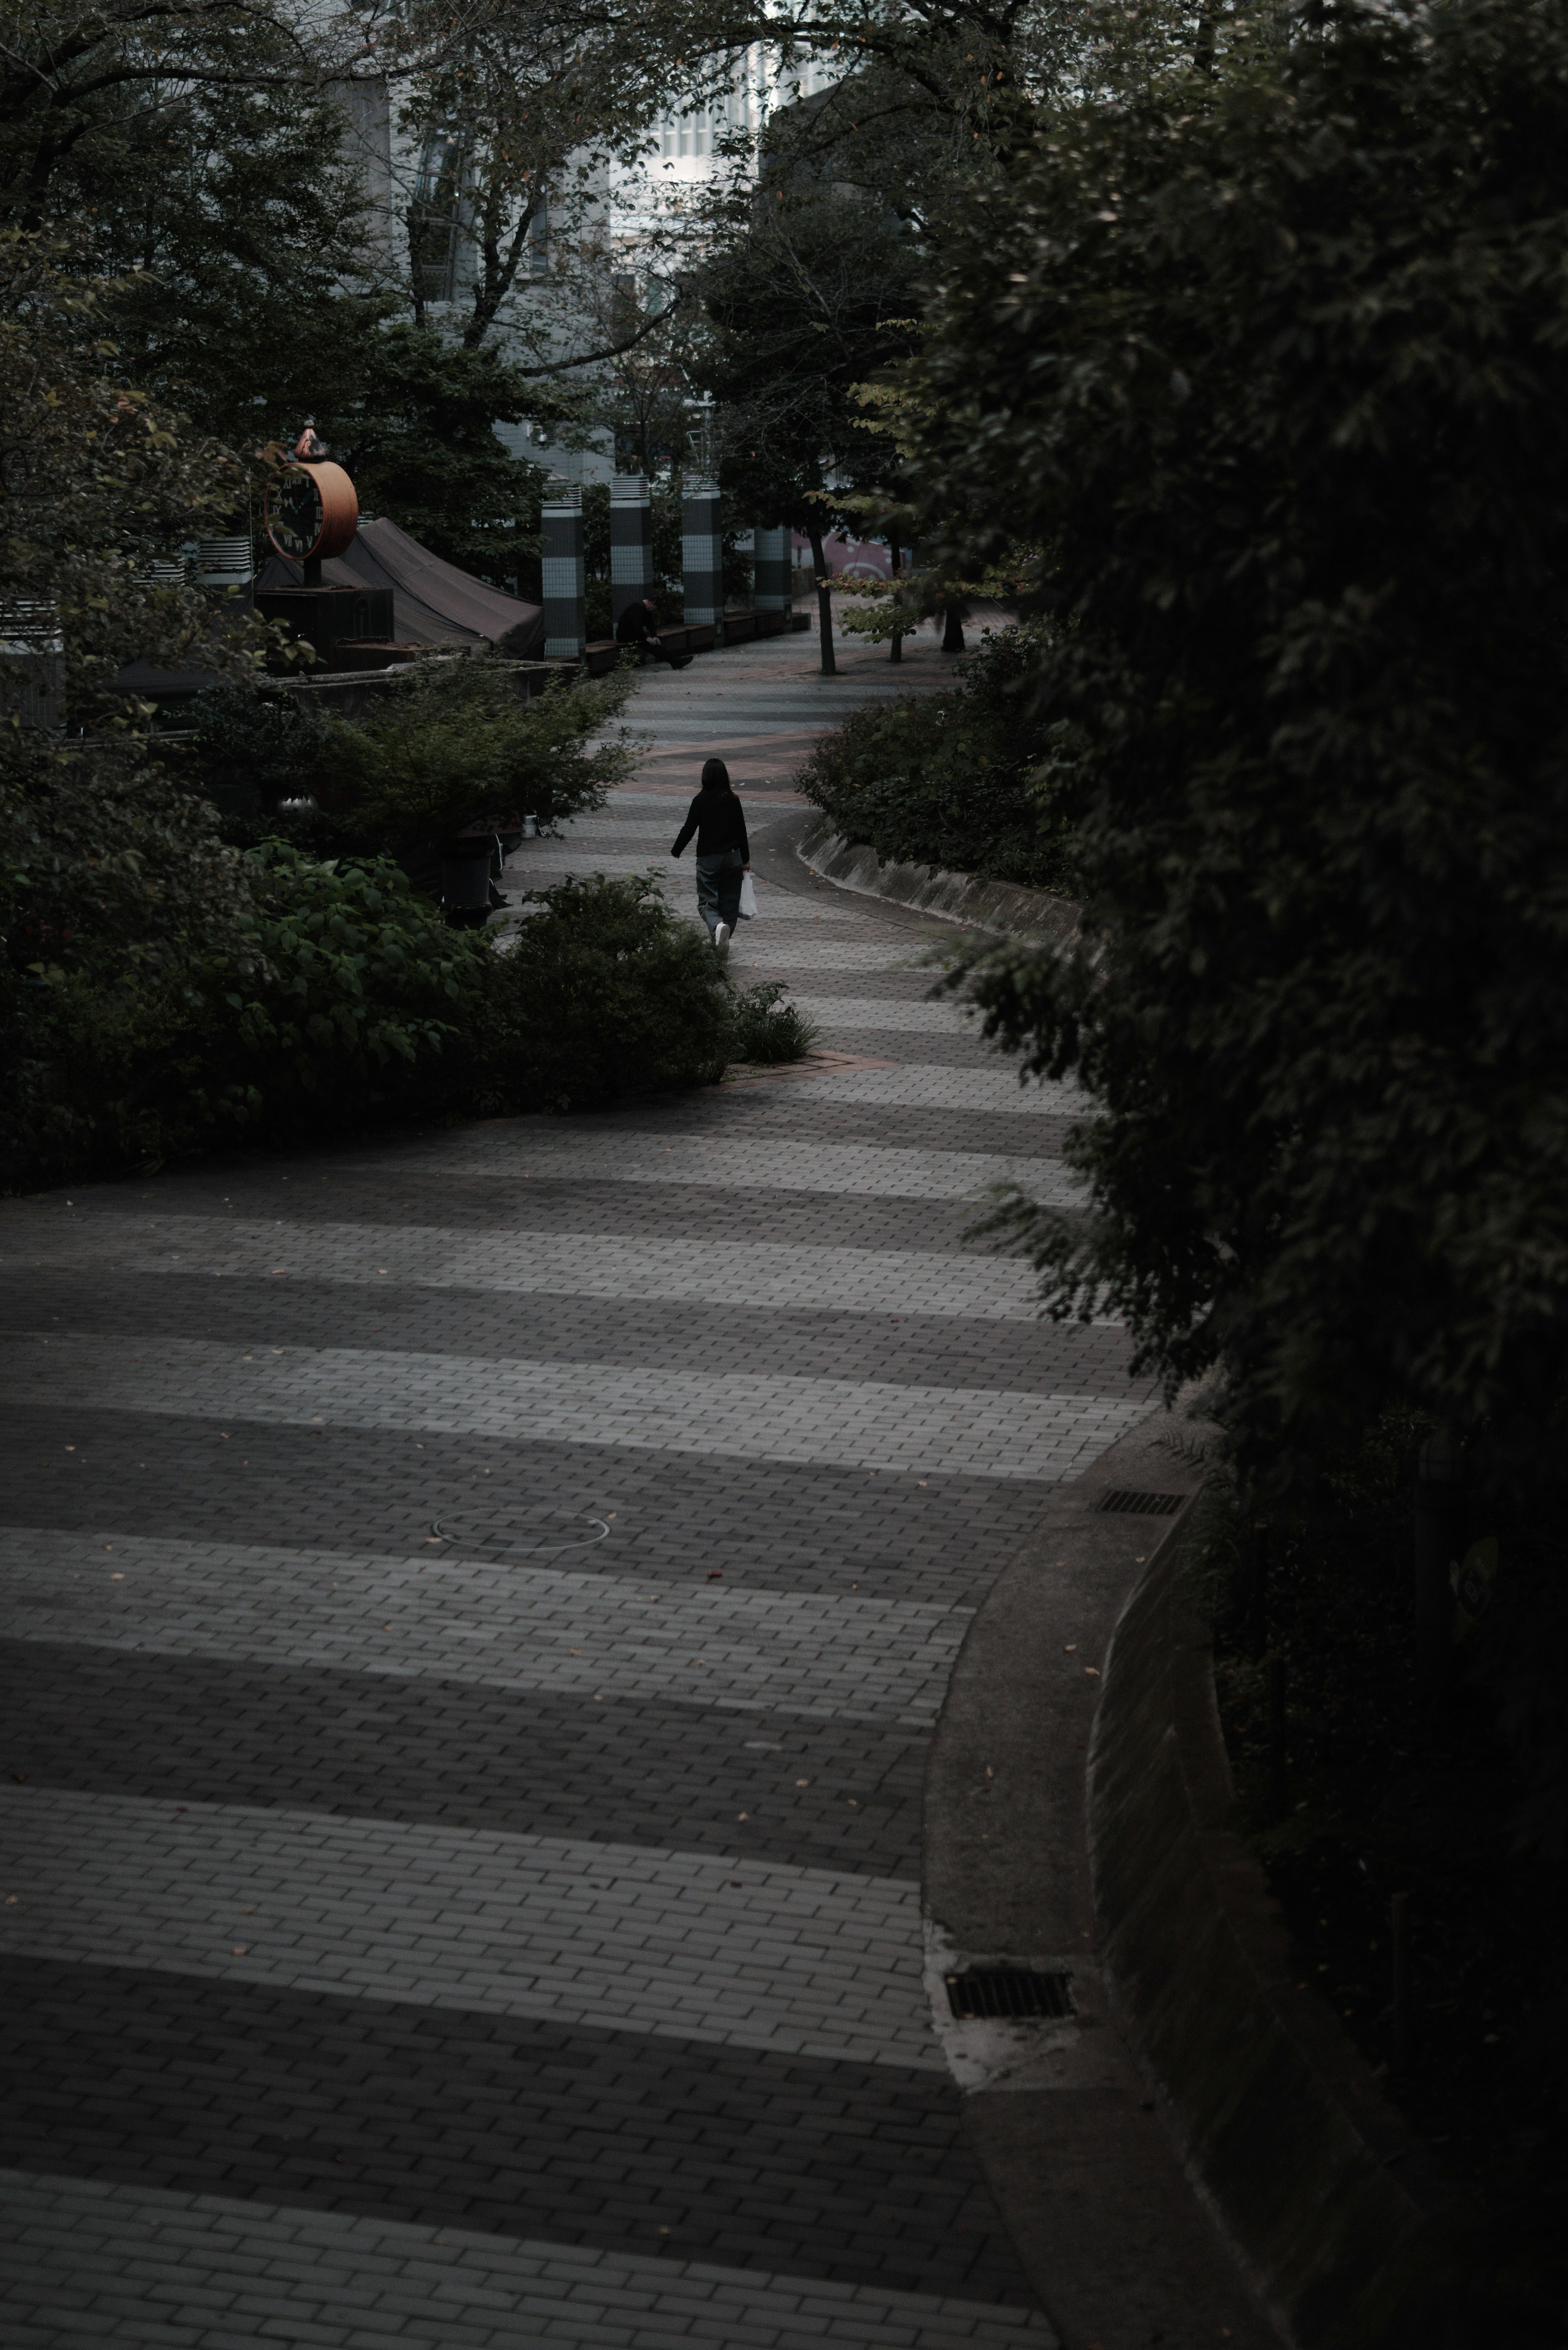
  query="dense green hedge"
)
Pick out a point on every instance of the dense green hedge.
point(337, 996)
point(446, 741)
point(970, 779)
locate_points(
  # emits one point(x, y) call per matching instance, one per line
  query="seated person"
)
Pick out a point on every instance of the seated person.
point(638, 625)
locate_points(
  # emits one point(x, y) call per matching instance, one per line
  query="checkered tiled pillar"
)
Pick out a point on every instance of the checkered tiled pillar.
point(771, 590)
point(564, 636)
point(702, 553)
point(631, 542)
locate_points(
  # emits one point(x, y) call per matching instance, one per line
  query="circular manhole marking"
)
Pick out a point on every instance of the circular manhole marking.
point(519, 1533)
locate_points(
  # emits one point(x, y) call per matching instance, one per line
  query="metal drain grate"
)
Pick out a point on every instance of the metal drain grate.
point(1008, 1990)
point(1124, 1504)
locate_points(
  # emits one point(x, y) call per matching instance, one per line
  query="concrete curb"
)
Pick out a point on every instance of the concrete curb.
point(1329, 2197)
point(1065, 2129)
point(998, 906)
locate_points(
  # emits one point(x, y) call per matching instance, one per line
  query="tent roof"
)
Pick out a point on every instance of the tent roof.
point(434, 602)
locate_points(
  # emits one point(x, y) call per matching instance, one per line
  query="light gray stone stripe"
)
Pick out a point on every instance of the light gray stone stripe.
point(688, 1946)
point(540, 1621)
point(753, 1274)
point(658, 831)
point(528, 1146)
point(917, 1019)
point(922, 1085)
point(773, 957)
point(849, 1423)
point(86, 2261)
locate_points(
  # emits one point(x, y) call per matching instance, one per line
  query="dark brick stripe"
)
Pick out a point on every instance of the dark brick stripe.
point(855, 2173)
point(772, 1525)
point(1028, 1357)
point(915, 1047)
point(204, 1730)
point(555, 1202)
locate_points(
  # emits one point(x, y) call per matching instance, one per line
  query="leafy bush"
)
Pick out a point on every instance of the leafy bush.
point(1275, 368)
point(969, 779)
point(764, 1029)
point(453, 740)
point(327, 994)
point(256, 748)
point(358, 984)
point(122, 906)
point(604, 992)
point(331, 994)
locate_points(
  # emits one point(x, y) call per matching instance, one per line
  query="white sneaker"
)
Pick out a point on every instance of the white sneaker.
point(721, 938)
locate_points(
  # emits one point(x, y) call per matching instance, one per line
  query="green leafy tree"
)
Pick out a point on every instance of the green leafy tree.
point(237, 223)
point(415, 427)
point(95, 94)
point(809, 293)
point(1273, 367)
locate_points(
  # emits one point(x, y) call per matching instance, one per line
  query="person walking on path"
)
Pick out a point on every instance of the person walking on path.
point(723, 852)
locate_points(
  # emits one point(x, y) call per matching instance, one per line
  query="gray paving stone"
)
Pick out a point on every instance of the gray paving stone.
point(679, 1518)
point(519, 2290)
point(713, 1271)
point(693, 1946)
point(529, 1147)
point(852, 1423)
point(527, 1621)
point(184, 1727)
point(745, 1329)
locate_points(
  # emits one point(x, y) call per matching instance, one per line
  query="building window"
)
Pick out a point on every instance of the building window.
point(435, 219)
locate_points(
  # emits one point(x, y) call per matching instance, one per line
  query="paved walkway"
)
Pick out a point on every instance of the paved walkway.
point(476, 1608)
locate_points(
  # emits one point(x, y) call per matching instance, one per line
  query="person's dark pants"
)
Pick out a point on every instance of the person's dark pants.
point(652, 647)
point(719, 880)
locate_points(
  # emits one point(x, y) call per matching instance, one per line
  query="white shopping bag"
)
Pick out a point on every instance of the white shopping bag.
point(748, 898)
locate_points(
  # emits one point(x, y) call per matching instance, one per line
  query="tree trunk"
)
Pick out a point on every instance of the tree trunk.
point(823, 600)
point(896, 650)
point(952, 630)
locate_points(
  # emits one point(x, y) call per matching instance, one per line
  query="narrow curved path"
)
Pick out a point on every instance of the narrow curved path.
point(476, 1607)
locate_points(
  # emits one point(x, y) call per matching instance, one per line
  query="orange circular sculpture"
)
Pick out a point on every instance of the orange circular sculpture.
point(310, 510)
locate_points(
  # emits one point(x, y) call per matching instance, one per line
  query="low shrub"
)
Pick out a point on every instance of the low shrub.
point(357, 985)
point(455, 740)
point(970, 779)
point(253, 747)
point(764, 1029)
point(322, 995)
point(121, 910)
point(329, 996)
point(604, 992)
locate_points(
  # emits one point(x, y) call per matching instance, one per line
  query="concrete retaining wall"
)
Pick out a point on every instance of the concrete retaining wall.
point(1332, 2204)
point(1000, 906)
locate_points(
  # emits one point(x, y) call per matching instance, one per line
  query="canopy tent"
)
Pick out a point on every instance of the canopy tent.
point(434, 602)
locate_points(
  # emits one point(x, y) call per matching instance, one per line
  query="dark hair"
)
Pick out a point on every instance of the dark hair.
point(715, 775)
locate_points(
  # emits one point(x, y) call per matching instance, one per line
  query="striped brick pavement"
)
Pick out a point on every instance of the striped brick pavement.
point(475, 1606)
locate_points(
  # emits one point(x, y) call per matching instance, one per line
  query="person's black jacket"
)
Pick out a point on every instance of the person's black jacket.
point(717, 822)
point(636, 625)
